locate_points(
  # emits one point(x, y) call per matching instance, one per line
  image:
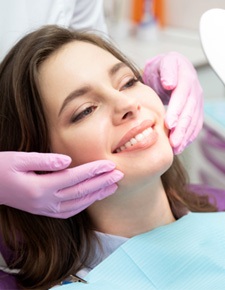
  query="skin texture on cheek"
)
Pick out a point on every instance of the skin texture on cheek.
point(79, 144)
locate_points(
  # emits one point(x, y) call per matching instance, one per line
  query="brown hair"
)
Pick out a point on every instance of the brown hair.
point(46, 249)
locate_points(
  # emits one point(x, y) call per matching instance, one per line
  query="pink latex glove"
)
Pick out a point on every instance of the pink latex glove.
point(175, 80)
point(59, 194)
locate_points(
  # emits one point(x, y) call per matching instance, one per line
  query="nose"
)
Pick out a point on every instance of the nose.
point(125, 108)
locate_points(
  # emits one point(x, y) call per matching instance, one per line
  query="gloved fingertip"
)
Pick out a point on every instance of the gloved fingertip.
point(117, 175)
point(105, 192)
point(104, 166)
point(175, 140)
point(168, 85)
point(110, 165)
point(60, 162)
point(168, 78)
point(171, 122)
point(177, 150)
point(180, 148)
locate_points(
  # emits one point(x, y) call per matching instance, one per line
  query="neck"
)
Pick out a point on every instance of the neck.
point(131, 213)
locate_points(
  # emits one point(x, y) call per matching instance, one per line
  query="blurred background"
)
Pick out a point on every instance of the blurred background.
point(145, 28)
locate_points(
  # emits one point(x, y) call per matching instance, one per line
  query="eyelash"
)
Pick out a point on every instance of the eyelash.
point(130, 83)
point(85, 112)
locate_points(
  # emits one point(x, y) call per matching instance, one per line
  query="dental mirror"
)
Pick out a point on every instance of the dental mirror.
point(212, 35)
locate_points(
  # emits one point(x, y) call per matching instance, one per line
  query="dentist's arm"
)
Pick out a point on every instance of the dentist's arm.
point(175, 80)
point(61, 193)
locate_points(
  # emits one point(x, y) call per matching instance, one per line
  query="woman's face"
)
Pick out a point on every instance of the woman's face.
point(96, 109)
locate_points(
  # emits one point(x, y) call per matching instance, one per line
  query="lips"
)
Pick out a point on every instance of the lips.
point(141, 136)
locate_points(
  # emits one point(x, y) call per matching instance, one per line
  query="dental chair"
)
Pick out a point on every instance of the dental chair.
point(7, 281)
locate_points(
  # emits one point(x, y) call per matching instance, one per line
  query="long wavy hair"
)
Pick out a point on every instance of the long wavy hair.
point(47, 250)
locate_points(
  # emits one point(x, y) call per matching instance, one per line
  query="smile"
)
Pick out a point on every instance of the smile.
point(136, 139)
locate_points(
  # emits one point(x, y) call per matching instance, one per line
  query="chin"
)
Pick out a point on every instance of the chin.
point(146, 170)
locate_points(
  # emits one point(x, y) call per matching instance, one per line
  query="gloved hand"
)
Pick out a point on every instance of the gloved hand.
point(174, 79)
point(59, 194)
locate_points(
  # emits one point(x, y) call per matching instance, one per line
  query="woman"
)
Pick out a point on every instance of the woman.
point(164, 73)
point(53, 99)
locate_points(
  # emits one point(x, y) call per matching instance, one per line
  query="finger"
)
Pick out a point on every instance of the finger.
point(191, 134)
point(89, 186)
point(177, 104)
point(68, 208)
point(72, 176)
point(169, 71)
point(41, 161)
point(183, 123)
point(192, 128)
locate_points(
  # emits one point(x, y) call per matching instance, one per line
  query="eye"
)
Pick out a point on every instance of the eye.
point(130, 83)
point(83, 114)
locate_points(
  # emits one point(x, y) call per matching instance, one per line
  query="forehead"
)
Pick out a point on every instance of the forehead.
point(74, 65)
point(80, 53)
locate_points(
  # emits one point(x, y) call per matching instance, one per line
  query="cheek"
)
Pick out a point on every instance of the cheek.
point(167, 132)
point(82, 148)
point(150, 100)
point(85, 152)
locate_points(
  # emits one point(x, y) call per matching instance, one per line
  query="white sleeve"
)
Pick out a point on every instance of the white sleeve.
point(19, 17)
point(89, 14)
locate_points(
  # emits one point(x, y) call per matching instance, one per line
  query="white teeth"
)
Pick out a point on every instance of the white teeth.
point(128, 144)
point(147, 132)
point(133, 141)
point(139, 137)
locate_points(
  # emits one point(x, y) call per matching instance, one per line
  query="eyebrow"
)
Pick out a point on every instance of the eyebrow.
point(85, 89)
point(73, 95)
point(116, 68)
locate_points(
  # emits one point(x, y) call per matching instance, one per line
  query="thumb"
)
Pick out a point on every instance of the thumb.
point(41, 162)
